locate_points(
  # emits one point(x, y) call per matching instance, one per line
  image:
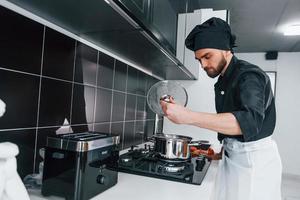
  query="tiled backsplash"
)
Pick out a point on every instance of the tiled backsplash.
point(54, 84)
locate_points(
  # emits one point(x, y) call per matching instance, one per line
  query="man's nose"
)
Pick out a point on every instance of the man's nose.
point(203, 64)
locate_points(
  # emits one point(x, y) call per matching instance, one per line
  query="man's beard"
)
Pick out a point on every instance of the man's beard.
point(214, 72)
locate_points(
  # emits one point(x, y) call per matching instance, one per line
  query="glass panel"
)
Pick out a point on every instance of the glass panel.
point(272, 76)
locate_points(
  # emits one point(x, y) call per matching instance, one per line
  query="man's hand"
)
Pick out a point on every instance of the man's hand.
point(175, 112)
point(225, 123)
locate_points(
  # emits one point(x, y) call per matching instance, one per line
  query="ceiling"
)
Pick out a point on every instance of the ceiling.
point(258, 24)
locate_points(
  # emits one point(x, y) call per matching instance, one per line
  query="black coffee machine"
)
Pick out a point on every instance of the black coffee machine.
point(80, 166)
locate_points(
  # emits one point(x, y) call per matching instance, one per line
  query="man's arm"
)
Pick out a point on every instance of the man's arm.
point(224, 123)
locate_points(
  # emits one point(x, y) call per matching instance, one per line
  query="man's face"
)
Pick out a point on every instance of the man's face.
point(212, 61)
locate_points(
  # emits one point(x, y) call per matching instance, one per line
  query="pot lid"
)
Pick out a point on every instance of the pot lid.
point(172, 136)
point(166, 90)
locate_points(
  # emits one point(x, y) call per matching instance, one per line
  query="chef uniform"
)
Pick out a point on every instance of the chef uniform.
point(250, 168)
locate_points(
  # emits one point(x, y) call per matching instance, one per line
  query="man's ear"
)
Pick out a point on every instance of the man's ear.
point(227, 53)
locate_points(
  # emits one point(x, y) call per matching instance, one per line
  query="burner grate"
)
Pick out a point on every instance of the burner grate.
point(150, 164)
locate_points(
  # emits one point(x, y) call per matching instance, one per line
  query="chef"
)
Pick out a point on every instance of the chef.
point(250, 168)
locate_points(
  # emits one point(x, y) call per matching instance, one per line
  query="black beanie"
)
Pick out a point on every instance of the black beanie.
point(213, 33)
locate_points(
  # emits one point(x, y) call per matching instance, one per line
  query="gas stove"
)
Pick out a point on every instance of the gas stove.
point(146, 162)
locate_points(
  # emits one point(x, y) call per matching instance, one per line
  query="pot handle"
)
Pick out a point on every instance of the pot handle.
point(198, 142)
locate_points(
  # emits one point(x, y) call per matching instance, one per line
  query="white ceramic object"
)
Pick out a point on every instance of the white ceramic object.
point(11, 185)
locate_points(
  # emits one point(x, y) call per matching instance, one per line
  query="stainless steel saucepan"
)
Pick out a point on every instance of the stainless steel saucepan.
point(172, 146)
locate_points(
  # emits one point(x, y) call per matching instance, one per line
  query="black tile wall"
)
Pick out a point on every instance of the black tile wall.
point(140, 108)
point(149, 113)
point(85, 64)
point(149, 128)
point(20, 92)
point(103, 105)
point(130, 107)
point(120, 76)
point(58, 55)
point(118, 106)
point(82, 128)
point(106, 71)
point(141, 83)
point(150, 82)
point(103, 127)
point(21, 42)
point(117, 129)
point(139, 132)
point(132, 80)
point(55, 102)
point(83, 104)
point(53, 84)
point(129, 135)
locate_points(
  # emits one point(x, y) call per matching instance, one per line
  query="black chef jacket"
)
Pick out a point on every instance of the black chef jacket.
point(245, 91)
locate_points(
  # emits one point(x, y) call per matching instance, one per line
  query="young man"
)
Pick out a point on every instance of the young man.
point(250, 168)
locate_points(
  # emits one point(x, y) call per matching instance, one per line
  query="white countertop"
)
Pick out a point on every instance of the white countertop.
point(136, 187)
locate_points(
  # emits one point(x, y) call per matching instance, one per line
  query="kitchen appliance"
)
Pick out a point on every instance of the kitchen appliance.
point(172, 146)
point(80, 165)
point(147, 162)
point(166, 91)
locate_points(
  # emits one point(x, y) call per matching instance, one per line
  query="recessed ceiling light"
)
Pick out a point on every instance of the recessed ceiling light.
point(292, 30)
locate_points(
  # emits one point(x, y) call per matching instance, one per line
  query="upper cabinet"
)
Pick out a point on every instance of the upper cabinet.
point(144, 32)
point(158, 18)
point(109, 25)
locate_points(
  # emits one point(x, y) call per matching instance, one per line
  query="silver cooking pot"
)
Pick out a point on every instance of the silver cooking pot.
point(172, 146)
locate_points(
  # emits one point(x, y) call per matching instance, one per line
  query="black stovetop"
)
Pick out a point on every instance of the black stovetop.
point(146, 162)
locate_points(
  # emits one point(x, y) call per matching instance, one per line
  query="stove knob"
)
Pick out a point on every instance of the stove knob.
point(200, 164)
point(100, 179)
point(132, 147)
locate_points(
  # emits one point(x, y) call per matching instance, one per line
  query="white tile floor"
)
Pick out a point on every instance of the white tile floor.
point(290, 187)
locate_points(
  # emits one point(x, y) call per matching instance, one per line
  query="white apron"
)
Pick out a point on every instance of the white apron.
point(251, 171)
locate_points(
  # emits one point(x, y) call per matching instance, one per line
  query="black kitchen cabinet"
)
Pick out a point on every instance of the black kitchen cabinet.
point(164, 23)
point(138, 8)
point(157, 17)
point(143, 32)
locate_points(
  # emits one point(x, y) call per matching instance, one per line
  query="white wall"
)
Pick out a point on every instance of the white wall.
point(286, 134)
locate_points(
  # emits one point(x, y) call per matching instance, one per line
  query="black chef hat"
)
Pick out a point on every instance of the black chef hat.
point(214, 33)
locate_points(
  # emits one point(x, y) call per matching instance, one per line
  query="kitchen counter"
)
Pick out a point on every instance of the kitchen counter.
point(141, 187)
point(136, 187)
